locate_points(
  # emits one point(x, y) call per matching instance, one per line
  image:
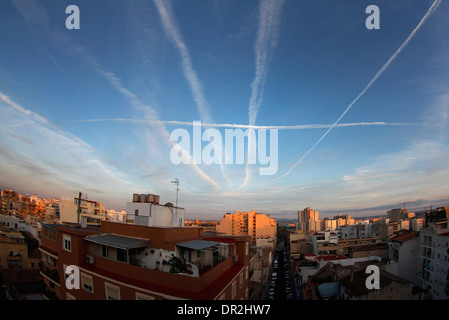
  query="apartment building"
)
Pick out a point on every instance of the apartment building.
point(372, 229)
point(92, 212)
point(398, 214)
point(325, 242)
point(18, 249)
point(343, 220)
point(404, 254)
point(308, 219)
point(328, 243)
point(13, 222)
point(14, 204)
point(253, 224)
point(298, 244)
point(207, 225)
point(417, 224)
point(433, 268)
point(133, 262)
point(260, 262)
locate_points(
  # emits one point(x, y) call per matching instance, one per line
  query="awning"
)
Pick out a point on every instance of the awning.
point(197, 244)
point(116, 241)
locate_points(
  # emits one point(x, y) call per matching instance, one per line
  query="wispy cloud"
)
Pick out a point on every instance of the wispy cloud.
point(24, 155)
point(34, 13)
point(152, 116)
point(374, 79)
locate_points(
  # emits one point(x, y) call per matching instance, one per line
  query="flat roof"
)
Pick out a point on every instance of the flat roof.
point(197, 244)
point(117, 241)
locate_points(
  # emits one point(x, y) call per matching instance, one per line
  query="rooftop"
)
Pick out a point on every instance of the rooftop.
point(331, 257)
point(197, 244)
point(355, 282)
point(118, 241)
point(404, 235)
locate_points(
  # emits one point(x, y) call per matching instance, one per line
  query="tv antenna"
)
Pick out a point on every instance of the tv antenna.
point(176, 182)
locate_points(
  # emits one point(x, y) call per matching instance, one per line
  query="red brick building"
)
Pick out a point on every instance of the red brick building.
point(129, 262)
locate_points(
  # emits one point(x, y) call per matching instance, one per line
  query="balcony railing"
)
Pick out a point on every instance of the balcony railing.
point(15, 257)
point(50, 273)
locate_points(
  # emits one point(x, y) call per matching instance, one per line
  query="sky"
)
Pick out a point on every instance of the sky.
point(361, 115)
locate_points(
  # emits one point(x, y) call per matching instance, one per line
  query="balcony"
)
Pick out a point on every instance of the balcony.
point(50, 273)
point(14, 256)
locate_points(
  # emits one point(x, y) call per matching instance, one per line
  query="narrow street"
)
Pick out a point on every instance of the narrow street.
point(280, 284)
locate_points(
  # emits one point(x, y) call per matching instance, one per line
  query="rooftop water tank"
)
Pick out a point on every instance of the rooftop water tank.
point(143, 198)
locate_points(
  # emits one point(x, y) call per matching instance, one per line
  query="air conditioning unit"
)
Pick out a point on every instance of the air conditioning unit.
point(90, 260)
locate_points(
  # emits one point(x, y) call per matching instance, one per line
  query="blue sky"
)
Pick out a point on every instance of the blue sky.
point(92, 110)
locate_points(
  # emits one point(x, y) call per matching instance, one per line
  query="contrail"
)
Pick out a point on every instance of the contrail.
point(378, 74)
point(171, 29)
point(152, 114)
point(246, 126)
point(33, 9)
point(267, 36)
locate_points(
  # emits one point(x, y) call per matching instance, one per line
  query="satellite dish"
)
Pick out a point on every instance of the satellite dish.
point(83, 224)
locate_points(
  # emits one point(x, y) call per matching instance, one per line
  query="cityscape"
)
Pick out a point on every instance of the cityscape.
point(266, 151)
point(150, 251)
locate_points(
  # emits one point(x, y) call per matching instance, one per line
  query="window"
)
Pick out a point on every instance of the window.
point(112, 292)
point(67, 243)
point(141, 296)
point(136, 212)
point(104, 251)
point(241, 280)
point(234, 289)
point(121, 255)
point(87, 282)
point(49, 233)
point(69, 296)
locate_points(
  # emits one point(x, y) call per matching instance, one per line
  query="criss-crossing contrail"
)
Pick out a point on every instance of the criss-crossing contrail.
point(246, 126)
point(267, 36)
point(377, 75)
point(172, 32)
point(36, 11)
